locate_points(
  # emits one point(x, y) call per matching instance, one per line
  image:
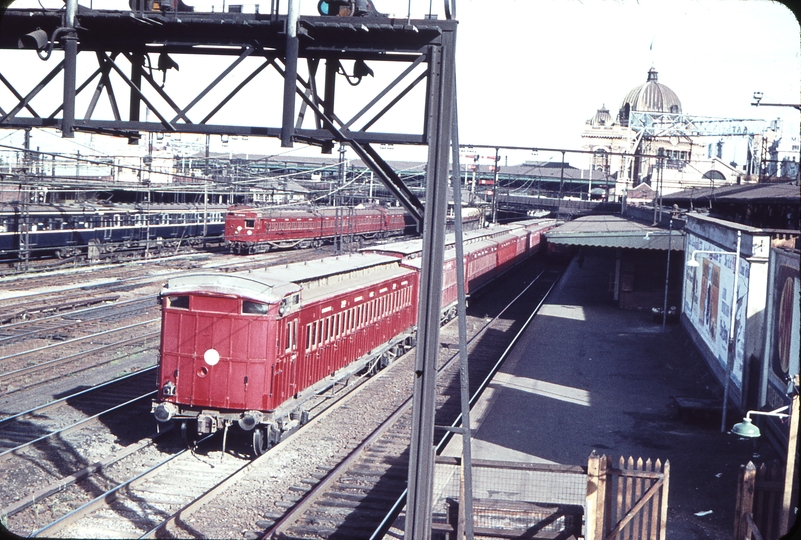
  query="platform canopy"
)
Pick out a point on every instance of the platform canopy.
point(615, 232)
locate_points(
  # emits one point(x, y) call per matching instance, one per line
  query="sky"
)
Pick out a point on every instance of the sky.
point(530, 74)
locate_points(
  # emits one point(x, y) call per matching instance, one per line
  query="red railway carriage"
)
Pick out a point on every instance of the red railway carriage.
point(536, 228)
point(251, 348)
point(252, 230)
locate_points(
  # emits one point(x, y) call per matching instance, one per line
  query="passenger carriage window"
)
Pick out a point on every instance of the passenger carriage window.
point(254, 308)
point(308, 337)
point(178, 302)
point(290, 336)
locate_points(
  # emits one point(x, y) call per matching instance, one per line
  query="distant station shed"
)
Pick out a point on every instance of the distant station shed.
point(638, 256)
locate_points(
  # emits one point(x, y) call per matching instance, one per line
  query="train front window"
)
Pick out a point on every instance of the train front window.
point(254, 308)
point(179, 302)
point(250, 223)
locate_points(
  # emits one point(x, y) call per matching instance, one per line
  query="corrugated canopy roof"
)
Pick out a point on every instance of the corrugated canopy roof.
point(785, 193)
point(614, 231)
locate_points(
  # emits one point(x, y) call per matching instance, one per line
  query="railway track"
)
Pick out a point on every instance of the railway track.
point(251, 501)
point(33, 367)
point(121, 322)
point(57, 417)
point(133, 505)
point(356, 496)
point(59, 325)
point(57, 445)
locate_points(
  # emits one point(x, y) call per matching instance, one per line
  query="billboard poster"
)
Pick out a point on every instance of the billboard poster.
point(783, 341)
point(708, 302)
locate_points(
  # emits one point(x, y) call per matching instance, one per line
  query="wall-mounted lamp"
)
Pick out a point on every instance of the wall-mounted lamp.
point(747, 429)
point(33, 40)
point(360, 69)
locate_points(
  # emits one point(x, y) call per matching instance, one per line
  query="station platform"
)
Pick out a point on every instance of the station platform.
point(587, 375)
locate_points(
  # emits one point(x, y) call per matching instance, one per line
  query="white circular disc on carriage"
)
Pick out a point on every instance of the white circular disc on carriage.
point(211, 357)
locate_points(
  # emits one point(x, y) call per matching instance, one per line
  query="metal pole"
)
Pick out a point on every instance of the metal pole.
point(495, 189)
point(789, 468)
point(421, 450)
point(466, 502)
point(70, 63)
point(732, 345)
point(667, 275)
point(290, 74)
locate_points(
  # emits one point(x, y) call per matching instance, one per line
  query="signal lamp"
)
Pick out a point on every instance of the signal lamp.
point(346, 8)
point(335, 8)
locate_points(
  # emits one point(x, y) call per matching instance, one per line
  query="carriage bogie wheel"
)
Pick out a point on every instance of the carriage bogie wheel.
point(261, 441)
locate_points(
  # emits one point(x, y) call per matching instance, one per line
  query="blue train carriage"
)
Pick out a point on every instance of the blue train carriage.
point(50, 230)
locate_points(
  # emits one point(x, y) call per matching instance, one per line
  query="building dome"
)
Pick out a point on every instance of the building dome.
point(650, 96)
point(601, 118)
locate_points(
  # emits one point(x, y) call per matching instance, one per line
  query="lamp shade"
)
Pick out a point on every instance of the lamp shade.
point(746, 428)
point(33, 40)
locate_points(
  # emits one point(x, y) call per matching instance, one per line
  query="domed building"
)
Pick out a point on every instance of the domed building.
point(667, 163)
point(650, 96)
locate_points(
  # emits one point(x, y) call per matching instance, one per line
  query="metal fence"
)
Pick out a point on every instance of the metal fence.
point(511, 500)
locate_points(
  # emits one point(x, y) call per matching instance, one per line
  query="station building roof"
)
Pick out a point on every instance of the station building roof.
point(766, 193)
point(615, 232)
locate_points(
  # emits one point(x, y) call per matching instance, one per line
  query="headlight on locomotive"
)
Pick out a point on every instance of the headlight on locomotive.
point(250, 420)
point(164, 411)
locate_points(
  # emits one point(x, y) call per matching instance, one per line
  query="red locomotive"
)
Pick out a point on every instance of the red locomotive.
point(256, 230)
point(251, 348)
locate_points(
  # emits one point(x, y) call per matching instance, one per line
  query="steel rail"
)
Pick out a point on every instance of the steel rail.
point(72, 396)
point(401, 502)
point(318, 490)
point(75, 340)
point(61, 317)
point(76, 424)
point(32, 369)
point(111, 495)
point(71, 341)
point(63, 483)
point(188, 509)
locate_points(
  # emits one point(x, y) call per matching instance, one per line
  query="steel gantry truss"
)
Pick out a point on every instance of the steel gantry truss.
point(659, 124)
point(228, 74)
point(115, 54)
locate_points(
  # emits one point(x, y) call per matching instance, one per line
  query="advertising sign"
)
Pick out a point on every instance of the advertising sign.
point(708, 299)
point(783, 342)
